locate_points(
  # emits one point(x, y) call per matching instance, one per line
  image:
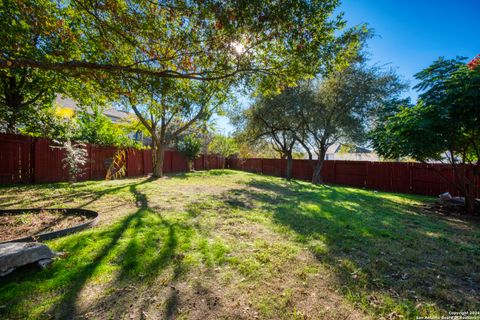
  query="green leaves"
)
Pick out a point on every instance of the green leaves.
point(223, 145)
point(25, 96)
point(446, 117)
point(409, 133)
point(189, 146)
point(282, 42)
point(97, 128)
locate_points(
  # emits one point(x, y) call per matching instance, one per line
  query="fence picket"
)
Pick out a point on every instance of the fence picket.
point(33, 160)
point(400, 177)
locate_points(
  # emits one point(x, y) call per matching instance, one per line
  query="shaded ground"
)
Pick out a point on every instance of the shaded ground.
point(234, 245)
point(26, 224)
point(452, 209)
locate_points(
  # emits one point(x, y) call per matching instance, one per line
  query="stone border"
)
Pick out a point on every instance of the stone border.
point(54, 234)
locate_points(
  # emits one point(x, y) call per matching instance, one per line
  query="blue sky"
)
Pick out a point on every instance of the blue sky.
point(410, 35)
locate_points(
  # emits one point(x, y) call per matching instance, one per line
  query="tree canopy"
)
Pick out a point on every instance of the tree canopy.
point(199, 39)
point(168, 108)
point(25, 94)
point(189, 145)
point(443, 125)
point(145, 54)
point(223, 145)
point(274, 120)
point(336, 107)
point(446, 116)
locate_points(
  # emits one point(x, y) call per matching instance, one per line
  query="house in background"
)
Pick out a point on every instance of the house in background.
point(114, 115)
point(340, 151)
point(117, 117)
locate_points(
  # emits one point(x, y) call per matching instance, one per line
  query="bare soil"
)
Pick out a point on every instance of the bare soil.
point(27, 224)
point(450, 209)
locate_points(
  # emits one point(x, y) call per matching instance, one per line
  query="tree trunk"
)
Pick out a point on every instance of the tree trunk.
point(190, 165)
point(12, 120)
point(158, 160)
point(13, 102)
point(317, 172)
point(11, 128)
point(289, 166)
point(470, 201)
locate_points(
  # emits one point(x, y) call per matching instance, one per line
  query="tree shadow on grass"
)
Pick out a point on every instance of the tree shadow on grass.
point(91, 195)
point(387, 255)
point(151, 243)
point(137, 248)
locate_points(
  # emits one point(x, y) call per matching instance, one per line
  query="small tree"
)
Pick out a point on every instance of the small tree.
point(75, 159)
point(224, 146)
point(190, 147)
point(75, 153)
point(169, 108)
point(97, 128)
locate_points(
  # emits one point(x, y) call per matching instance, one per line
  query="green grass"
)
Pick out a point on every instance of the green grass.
point(225, 244)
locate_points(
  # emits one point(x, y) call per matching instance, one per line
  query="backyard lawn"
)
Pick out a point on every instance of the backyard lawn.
point(227, 244)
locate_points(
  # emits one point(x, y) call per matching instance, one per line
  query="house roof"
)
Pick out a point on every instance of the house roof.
point(116, 114)
point(336, 147)
point(69, 103)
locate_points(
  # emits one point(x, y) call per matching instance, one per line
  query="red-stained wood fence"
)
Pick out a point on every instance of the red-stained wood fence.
point(402, 177)
point(15, 159)
point(33, 160)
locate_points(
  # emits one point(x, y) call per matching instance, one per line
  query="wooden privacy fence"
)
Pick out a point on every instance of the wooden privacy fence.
point(403, 177)
point(33, 160)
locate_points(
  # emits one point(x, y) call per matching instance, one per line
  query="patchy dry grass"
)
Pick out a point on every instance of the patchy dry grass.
point(232, 245)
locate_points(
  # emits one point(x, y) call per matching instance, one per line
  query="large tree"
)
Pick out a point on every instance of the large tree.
point(274, 120)
point(167, 108)
point(25, 91)
point(265, 44)
point(199, 39)
point(25, 94)
point(442, 126)
point(340, 107)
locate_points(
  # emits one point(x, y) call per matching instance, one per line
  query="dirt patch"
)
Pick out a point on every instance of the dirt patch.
point(27, 224)
point(447, 209)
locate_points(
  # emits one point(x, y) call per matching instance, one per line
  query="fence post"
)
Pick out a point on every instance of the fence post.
point(31, 168)
point(127, 156)
point(334, 171)
point(143, 162)
point(90, 160)
point(367, 171)
point(392, 172)
point(410, 182)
